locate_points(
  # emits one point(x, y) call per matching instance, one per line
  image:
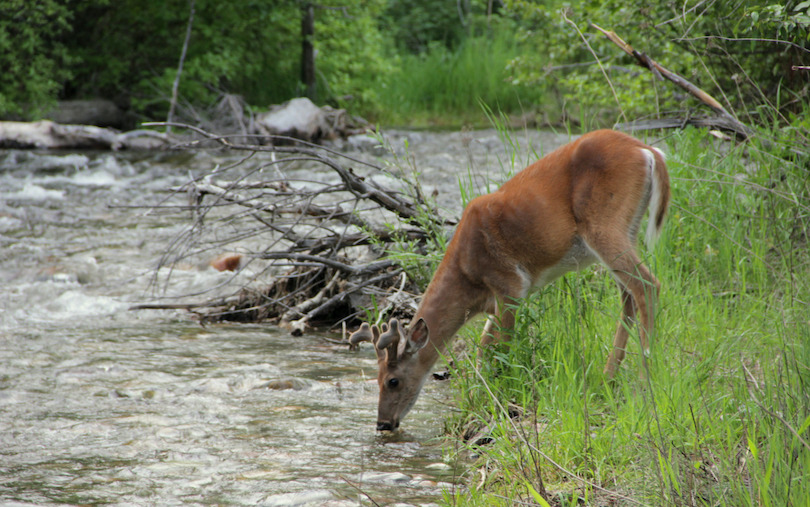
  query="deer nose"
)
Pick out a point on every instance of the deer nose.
point(384, 426)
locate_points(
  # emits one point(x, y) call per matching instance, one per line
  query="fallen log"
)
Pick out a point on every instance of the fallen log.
point(724, 120)
point(46, 134)
point(668, 123)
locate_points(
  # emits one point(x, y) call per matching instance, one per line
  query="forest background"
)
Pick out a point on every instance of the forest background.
point(404, 62)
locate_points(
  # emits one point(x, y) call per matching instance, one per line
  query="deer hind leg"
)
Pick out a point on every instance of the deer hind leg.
point(620, 338)
point(639, 293)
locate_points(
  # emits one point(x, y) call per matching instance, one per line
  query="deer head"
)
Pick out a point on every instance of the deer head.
point(401, 372)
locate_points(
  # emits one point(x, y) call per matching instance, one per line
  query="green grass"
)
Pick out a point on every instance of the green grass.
point(442, 88)
point(721, 415)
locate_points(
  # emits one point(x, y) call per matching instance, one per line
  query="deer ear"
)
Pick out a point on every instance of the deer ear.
point(418, 336)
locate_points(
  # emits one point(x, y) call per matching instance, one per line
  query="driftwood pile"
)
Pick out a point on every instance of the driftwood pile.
point(312, 223)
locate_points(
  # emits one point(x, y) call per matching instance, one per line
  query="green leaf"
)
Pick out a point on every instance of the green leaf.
point(537, 496)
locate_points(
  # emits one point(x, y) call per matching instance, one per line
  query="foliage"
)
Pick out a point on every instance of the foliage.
point(351, 48)
point(720, 415)
point(727, 48)
point(414, 26)
point(129, 51)
point(35, 60)
point(440, 85)
point(393, 60)
point(132, 48)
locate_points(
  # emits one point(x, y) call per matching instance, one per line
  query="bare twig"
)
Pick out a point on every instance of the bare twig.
point(305, 236)
point(176, 83)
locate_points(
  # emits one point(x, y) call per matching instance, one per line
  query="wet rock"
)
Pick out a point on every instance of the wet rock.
point(366, 143)
point(227, 262)
point(285, 384)
point(438, 466)
point(80, 269)
point(298, 499)
point(298, 118)
point(386, 477)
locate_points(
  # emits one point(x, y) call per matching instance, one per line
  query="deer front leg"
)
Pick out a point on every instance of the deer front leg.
point(499, 327)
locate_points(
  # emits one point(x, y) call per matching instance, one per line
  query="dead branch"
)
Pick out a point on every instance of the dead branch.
point(310, 246)
point(359, 186)
point(724, 119)
point(50, 135)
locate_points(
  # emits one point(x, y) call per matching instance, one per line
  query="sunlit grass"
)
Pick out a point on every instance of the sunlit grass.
point(720, 415)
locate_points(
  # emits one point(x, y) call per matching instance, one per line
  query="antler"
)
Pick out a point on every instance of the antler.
point(366, 333)
point(389, 341)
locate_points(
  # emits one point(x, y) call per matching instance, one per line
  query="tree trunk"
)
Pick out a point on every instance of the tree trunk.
point(308, 51)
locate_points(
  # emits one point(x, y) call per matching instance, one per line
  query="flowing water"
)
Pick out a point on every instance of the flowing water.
point(99, 404)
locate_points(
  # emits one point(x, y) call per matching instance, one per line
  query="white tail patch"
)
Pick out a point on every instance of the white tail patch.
point(653, 231)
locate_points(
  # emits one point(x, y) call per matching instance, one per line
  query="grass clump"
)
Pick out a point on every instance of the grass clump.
point(442, 88)
point(720, 415)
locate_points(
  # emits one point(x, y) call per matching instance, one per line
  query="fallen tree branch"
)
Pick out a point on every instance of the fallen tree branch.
point(46, 134)
point(299, 325)
point(360, 187)
point(724, 120)
point(306, 246)
point(315, 260)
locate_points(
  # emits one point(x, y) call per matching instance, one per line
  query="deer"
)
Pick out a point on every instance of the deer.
point(582, 203)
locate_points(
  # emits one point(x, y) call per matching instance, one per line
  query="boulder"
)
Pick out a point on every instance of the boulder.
point(299, 118)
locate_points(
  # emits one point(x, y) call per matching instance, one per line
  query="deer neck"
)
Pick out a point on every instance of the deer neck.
point(447, 304)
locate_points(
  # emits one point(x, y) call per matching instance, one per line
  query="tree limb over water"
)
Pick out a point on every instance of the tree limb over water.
point(309, 228)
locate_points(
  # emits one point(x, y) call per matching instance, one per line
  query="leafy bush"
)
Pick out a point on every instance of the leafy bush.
point(35, 59)
point(727, 48)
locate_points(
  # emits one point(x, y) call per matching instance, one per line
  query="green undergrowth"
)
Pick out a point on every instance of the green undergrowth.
point(719, 415)
point(443, 88)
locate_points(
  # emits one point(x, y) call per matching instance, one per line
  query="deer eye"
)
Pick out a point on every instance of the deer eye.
point(393, 382)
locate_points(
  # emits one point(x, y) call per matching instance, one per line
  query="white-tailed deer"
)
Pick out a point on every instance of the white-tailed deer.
point(580, 204)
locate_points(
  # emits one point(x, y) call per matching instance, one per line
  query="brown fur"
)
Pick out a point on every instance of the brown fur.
point(580, 203)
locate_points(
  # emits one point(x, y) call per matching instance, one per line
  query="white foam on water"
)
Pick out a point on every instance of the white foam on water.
point(96, 178)
point(76, 303)
point(33, 192)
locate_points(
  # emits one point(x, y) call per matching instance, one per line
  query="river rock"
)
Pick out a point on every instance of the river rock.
point(386, 477)
point(226, 262)
point(46, 134)
point(315, 497)
point(301, 119)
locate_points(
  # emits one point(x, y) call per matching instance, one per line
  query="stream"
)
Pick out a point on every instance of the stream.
point(103, 405)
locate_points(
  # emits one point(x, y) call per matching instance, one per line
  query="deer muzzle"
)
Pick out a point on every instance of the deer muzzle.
point(387, 426)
